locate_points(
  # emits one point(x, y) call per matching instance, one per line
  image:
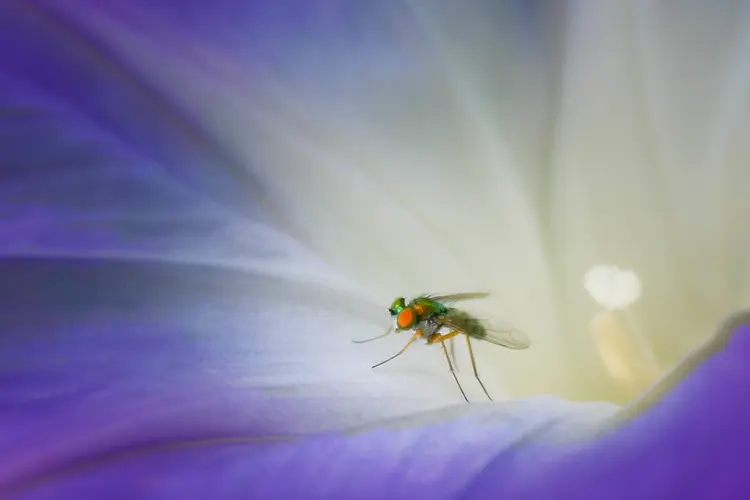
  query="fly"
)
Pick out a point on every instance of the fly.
point(429, 315)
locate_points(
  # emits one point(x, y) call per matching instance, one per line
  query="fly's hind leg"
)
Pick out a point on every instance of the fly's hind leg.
point(474, 367)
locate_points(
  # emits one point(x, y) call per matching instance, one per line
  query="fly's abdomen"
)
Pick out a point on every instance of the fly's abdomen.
point(465, 322)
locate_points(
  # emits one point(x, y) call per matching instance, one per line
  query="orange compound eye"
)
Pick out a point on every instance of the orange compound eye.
point(406, 319)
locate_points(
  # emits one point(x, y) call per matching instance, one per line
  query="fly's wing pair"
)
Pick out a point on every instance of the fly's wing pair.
point(510, 337)
point(457, 297)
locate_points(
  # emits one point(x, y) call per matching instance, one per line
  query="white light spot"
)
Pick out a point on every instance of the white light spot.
point(611, 287)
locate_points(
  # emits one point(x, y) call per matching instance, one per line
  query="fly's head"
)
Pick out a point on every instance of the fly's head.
point(406, 317)
point(397, 306)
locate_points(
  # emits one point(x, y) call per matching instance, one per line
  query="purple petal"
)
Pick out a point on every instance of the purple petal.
point(121, 215)
point(532, 449)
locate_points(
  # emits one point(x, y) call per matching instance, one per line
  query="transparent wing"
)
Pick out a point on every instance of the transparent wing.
point(456, 297)
point(510, 337)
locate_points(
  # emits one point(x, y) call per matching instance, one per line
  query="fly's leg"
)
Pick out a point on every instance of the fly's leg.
point(450, 365)
point(453, 354)
point(414, 337)
point(374, 338)
point(474, 367)
point(435, 337)
point(432, 337)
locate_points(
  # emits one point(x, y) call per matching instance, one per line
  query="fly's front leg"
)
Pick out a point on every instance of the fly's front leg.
point(414, 337)
point(387, 332)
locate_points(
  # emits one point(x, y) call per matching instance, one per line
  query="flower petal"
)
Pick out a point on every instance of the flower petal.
point(541, 448)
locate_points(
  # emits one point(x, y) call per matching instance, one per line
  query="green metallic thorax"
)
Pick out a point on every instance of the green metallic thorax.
point(429, 306)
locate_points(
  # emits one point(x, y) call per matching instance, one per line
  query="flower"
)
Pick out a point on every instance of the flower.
point(204, 205)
